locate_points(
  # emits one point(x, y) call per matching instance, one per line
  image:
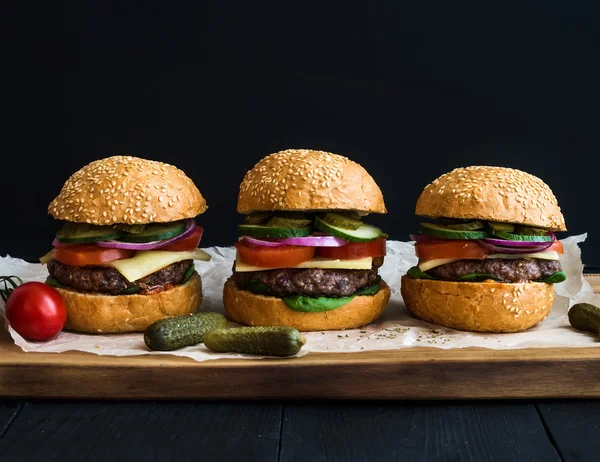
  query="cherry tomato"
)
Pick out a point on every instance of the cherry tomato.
point(445, 248)
point(89, 254)
point(36, 311)
point(354, 250)
point(273, 257)
point(187, 243)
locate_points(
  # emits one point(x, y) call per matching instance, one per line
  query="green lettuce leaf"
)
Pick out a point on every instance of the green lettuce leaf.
point(554, 278)
point(315, 305)
point(476, 277)
point(258, 287)
point(416, 273)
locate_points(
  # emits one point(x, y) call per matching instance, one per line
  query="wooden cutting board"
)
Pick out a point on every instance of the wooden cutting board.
point(412, 373)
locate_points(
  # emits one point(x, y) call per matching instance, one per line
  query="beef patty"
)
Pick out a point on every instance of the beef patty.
point(110, 281)
point(506, 270)
point(312, 282)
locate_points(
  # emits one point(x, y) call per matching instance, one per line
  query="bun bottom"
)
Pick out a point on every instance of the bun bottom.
point(245, 307)
point(478, 307)
point(95, 313)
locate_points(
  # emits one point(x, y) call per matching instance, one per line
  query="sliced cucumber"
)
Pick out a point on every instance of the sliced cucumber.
point(435, 230)
point(502, 227)
point(341, 221)
point(156, 232)
point(521, 237)
point(363, 233)
point(268, 231)
point(82, 233)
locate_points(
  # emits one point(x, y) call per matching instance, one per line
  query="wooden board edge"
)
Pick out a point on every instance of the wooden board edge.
point(423, 373)
point(387, 380)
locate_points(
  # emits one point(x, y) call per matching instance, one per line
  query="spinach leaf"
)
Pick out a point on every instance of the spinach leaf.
point(554, 278)
point(315, 305)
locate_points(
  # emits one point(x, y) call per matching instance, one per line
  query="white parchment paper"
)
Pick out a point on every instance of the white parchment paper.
point(395, 329)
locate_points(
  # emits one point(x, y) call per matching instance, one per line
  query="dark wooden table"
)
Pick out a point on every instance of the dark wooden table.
point(300, 430)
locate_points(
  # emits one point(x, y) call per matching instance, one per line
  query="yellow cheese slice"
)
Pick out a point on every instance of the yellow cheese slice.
point(147, 262)
point(425, 265)
point(324, 263)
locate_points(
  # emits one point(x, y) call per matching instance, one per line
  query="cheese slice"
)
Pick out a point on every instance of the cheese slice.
point(317, 262)
point(425, 265)
point(147, 262)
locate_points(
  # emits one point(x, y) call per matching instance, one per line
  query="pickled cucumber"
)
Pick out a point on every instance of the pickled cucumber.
point(282, 222)
point(584, 316)
point(466, 226)
point(181, 331)
point(257, 218)
point(505, 227)
point(342, 221)
point(435, 230)
point(267, 341)
point(531, 231)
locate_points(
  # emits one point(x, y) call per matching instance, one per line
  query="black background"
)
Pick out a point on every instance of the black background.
point(408, 89)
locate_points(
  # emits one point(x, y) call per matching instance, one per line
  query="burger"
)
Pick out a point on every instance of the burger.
point(305, 258)
point(488, 255)
point(124, 255)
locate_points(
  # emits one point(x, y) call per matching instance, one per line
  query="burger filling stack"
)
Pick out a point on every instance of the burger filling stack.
point(488, 255)
point(124, 256)
point(305, 258)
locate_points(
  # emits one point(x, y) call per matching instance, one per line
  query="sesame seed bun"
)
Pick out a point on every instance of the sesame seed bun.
point(304, 180)
point(251, 309)
point(492, 193)
point(130, 190)
point(96, 313)
point(478, 307)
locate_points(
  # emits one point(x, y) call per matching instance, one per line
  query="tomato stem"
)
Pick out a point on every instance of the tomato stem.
point(9, 285)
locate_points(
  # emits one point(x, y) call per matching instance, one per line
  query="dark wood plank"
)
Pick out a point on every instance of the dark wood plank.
point(575, 428)
point(414, 431)
point(109, 431)
point(9, 408)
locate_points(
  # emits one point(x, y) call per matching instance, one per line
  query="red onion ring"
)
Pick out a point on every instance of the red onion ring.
point(154, 245)
point(495, 249)
point(315, 241)
point(57, 243)
point(261, 243)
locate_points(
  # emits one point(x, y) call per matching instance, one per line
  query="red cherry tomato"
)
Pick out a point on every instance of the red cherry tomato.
point(36, 311)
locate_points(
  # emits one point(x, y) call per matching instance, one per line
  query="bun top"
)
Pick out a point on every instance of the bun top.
point(125, 189)
point(303, 179)
point(499, 194)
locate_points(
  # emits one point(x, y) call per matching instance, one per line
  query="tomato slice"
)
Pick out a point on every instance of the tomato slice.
point(273, 257)
point(189, 242)
point(557, 247)
point(353, 250)
point(441, 248)
point(84, 254)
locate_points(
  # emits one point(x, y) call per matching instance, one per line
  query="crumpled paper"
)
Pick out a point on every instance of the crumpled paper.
point(394, 330)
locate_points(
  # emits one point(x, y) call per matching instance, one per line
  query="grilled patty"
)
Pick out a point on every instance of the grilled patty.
point(506, 270)
point(110, 281)
point(312, 282)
